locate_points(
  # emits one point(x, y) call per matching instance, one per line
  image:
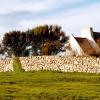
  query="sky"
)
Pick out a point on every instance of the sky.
point(71, 15)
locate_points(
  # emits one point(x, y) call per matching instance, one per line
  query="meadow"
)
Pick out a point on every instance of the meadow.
point(49, 85)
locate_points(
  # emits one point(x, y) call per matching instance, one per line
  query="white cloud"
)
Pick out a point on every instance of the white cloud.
point(72, 22)
point(8, 6)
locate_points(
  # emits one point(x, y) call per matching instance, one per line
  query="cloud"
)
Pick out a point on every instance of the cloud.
point(72, 15)
point(9, 6)
point(72, 22)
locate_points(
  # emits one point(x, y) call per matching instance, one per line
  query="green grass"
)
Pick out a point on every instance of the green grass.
point(49, 85)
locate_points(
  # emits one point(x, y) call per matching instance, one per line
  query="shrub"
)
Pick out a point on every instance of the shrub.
point(17, 65)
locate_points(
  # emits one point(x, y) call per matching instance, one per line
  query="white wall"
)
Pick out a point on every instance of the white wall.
point(67, 53)
point(75, 46)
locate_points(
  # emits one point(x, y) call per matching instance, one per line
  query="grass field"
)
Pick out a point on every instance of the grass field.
point(48, 85)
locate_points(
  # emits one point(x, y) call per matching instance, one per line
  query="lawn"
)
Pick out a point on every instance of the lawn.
point(49, 85)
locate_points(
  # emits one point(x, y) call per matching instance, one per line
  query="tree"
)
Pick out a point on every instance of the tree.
point(43, 40)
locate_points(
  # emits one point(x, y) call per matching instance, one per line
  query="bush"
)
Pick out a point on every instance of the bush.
point(17, 65)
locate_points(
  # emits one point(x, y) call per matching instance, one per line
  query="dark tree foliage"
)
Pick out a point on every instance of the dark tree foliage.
point(42, 40)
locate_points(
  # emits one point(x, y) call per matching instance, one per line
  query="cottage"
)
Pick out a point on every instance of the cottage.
point(87, 44)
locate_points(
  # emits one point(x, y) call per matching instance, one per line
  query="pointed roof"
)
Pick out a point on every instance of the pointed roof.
point(96, 35)
point(85, 45)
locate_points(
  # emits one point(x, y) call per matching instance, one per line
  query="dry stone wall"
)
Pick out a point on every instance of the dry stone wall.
point(56, 63)
point(6, 65)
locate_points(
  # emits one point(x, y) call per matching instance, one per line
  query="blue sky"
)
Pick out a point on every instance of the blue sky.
point(72, 15)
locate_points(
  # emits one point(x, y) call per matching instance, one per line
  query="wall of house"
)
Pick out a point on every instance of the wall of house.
point(75, 46)
point(64, 64)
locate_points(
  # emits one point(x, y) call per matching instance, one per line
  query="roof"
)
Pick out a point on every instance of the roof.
point(85, 45)
point(68, 47)
point(96, 35)
point(96, 32)
point(80, 39)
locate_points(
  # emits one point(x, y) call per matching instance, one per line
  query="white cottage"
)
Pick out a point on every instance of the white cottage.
point(87, 44)
point(92, 37)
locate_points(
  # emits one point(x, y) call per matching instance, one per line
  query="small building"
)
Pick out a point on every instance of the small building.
point(87, 44)
point(92, 38)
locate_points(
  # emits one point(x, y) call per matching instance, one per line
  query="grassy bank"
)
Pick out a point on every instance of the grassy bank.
point(46, 85)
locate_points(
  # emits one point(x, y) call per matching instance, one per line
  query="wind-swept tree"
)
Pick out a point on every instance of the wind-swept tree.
point(42, 40)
